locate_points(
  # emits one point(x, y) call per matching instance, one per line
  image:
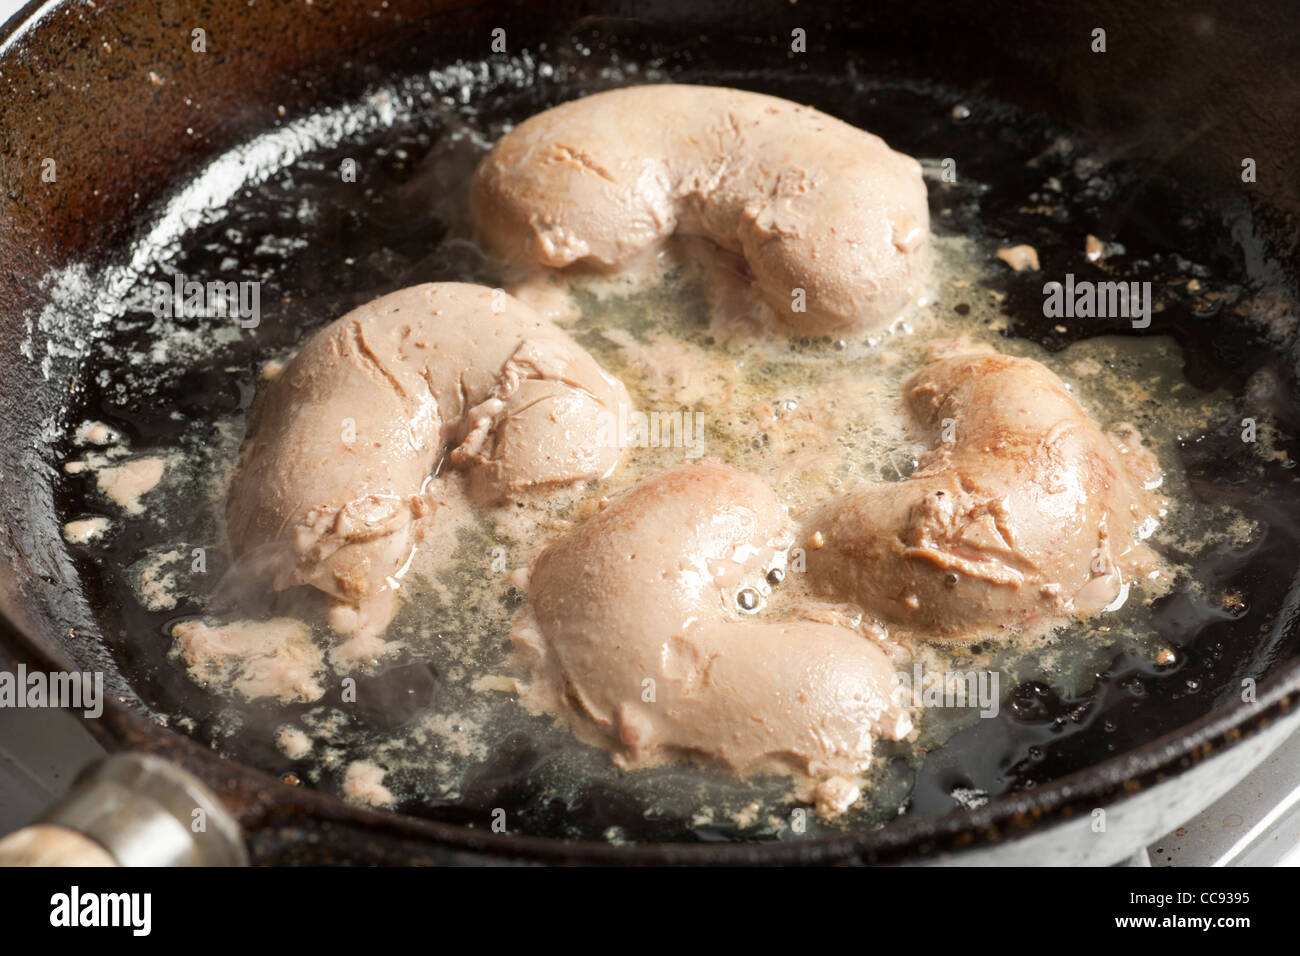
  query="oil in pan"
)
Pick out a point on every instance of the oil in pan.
point(332, 209)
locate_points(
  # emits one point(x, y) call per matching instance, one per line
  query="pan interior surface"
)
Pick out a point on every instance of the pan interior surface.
point(276, 211)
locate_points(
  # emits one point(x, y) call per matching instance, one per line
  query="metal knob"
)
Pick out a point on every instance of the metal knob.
point(136, 810)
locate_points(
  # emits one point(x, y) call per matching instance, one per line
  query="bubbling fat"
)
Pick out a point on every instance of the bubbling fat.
point(335, 480)
point(833, 224)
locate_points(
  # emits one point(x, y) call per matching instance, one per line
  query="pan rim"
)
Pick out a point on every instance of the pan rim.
point(1005, 818)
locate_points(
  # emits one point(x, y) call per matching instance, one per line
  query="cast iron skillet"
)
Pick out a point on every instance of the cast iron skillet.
point(1183, 95)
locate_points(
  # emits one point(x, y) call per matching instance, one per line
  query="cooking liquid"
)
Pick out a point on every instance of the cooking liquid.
point(812, 416)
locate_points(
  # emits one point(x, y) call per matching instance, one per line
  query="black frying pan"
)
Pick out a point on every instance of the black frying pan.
point(1176, 102)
